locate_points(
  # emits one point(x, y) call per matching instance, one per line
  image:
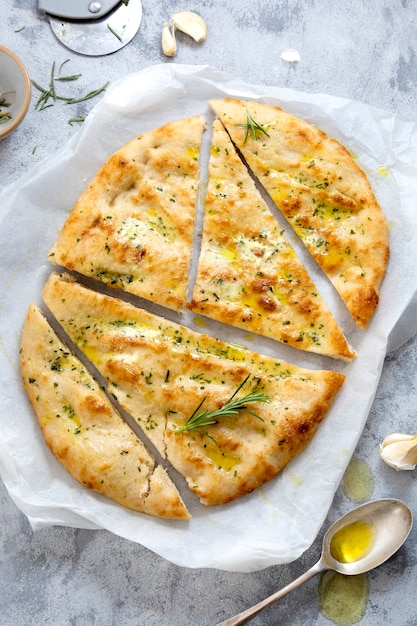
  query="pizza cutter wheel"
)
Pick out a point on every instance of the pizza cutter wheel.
point(93, 27)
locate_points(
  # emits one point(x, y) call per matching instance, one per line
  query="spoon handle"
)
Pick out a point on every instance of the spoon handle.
point(249, 614)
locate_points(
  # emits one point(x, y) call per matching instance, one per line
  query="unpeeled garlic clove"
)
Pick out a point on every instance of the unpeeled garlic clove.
point(169, 44)
point(399, 451)
point(191, 24)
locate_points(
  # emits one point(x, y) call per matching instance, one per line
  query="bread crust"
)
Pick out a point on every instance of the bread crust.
point(133, 226)
point(322, 192)
point(160, 371)
point(84, 431)
point(133, 229)
point(248, 274)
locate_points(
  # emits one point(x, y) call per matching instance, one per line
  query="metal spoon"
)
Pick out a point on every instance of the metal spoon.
point(390, 520)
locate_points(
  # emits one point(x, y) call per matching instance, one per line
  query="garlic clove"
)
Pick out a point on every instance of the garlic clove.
point(399, 451)
point(191, 24)
point(169, 44)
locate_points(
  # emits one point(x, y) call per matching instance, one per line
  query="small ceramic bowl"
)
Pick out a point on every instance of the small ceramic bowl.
point(16, 89)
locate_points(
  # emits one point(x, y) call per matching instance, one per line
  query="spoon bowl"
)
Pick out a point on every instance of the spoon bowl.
point(391, 522)
point(386, 524)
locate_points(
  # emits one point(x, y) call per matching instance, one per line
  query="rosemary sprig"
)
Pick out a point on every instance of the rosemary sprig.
point(74, 120)
point(252, 128)
point(50, 95)
point(66, 78)
point(113, 32)
point(88, 96)
point(202, 419)
point(3, 99)
point(5, 116)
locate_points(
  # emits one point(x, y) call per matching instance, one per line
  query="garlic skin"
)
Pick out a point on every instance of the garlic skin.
point(290, 57)
point(191, 24)
point(399, 451)
point(169, 44)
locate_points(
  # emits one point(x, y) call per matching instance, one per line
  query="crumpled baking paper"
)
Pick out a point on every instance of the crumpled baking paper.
point(279, 521)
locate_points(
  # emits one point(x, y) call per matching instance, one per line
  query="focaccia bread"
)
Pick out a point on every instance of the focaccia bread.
point(248, 274)
point(85, 432)
point(133, 226)
point(164, 375)
point(323, 193)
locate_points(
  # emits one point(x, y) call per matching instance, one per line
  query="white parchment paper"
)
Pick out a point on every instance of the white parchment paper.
point(278, 522)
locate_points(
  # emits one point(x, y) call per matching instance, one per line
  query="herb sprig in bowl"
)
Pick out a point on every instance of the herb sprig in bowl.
point(15, 91)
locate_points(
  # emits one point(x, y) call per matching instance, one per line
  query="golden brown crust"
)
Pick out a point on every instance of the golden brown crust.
point(248, 274)
point(160, 371)
point(84, 431)
point(322, 192)
point(133, 226)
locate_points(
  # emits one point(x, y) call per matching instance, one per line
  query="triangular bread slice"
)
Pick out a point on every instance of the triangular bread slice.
point(162, 374)
point(133, 226)
point(323, 193)
point(248, 274)
point(85, 432)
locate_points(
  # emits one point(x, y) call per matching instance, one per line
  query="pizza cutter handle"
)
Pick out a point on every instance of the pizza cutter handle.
point(78, 9)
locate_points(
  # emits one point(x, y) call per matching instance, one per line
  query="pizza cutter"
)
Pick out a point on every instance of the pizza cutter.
point(93, 27)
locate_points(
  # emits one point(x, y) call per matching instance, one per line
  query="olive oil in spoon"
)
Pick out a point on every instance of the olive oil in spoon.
point(359, 541)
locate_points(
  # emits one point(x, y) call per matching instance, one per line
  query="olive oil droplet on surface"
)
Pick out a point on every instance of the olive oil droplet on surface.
point(343, 599)
point(358, 482)
point(352, 542)
point(249, 337)
point(199, 321)
point(383, 171)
